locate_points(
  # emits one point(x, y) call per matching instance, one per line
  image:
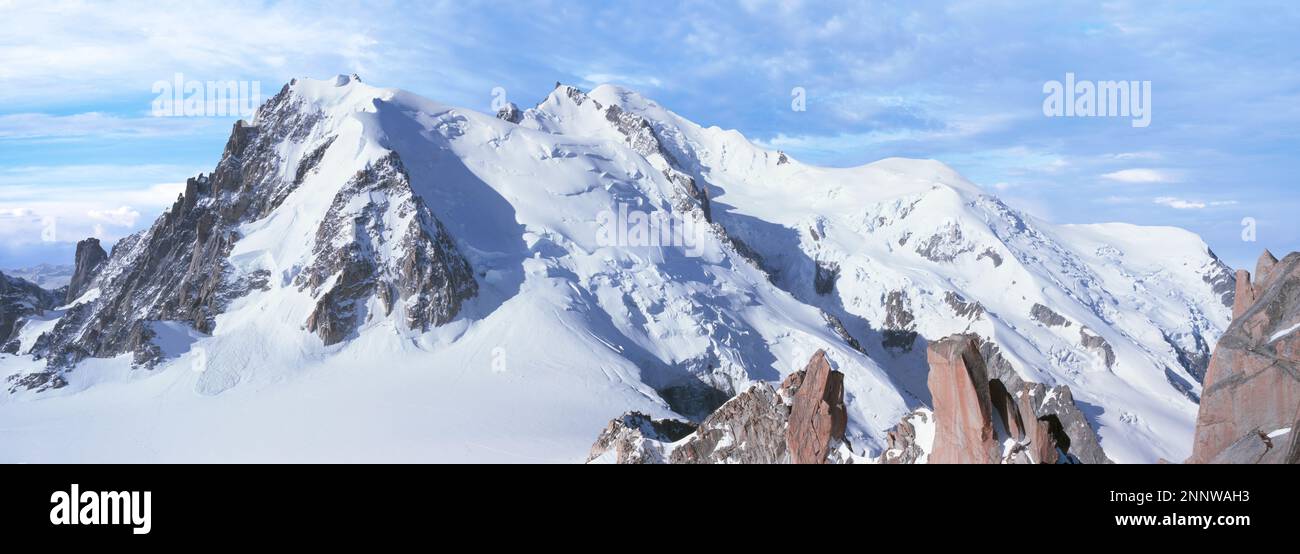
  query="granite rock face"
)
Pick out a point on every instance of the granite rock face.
point(637, 438)
point(904, 443)
point(748, 429)
point(90, 258)
point(20, 299)
point(985, 414)
point(510, 112)
point(179, 270)
point(802, 422)
point(818, 417)
point(963, 406)
point(425, 276)
point(1252, 388)
point(1048, 316)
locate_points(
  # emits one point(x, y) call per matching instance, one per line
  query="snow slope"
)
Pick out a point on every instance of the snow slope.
point(568, 330)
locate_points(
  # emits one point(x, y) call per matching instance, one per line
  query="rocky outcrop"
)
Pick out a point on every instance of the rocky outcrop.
point(20, 299)
point(641, 137)
point(979, 419)
point(425, 277)
point(1098, 345)
point(1244, 297)
point(818, 417)
point(179, 270)
point(1067, 424)
point(802, 422)
point(1257, 447)
point(905, 443)
point(748, 429)
point(899, 329)
point(1048, 316)
point(944, 245)
point(1252, 387)
point(637, 438)
point(963, 407)
point(825, 276)
point(839, 328)
point(1264, 272)
point(90, 258)
point(962, 307)
point(1221, 279)
point(510, 112)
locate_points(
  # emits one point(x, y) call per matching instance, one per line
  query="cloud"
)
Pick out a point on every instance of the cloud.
point(647, 81)
point(123, 216)
point(29, 126)
point(1182, 204)
point(78, 201)
point(1140, 175)
point(92, 50)
point(1129, 156)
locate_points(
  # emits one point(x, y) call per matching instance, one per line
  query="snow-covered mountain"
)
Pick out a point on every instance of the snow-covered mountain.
point(369, 275)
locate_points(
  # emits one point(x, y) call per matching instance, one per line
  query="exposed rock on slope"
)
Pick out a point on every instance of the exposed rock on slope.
point(378, 241)
point(423, 275)
point(801, 423)
point(90, 258)
point(963, 409)
point(979, 420)
point(817, 416)
point(906, 443)
point(1251, 400)
point(20, 299)
point(748, 429)
point(637, 438)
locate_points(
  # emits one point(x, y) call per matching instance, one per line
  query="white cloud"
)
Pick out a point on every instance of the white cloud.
point(1127, 156)
point(1183, 204)
point(104, 201)
point(592, 79)
point(122, 216)
point(26, 126)
point(93, 50)
point(1179, 203)
point(1140, 175)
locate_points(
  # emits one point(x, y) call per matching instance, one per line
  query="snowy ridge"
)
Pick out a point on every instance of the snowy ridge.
point(553, 330)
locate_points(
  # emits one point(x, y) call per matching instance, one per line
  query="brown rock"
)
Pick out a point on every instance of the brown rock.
point(818, 416)
point(1264, 271)
point(1007, 410)
point(901, 443)
point(636, 438)
point(748, 429)
point(90, 257)
point(963, 408)
point(1253, 382)
point(1244, 298)
point(1042, 445)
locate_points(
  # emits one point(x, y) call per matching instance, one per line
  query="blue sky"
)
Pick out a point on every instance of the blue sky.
point(961, 82)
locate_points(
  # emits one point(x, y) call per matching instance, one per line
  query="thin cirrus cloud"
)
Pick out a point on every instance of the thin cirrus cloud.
point(1141, 175)
point(1184, 204)
point(42, 126)
point(957, 81)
